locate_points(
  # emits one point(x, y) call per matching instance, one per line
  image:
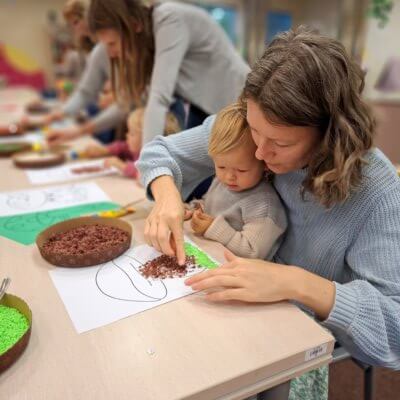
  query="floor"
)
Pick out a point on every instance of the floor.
point(346, 382)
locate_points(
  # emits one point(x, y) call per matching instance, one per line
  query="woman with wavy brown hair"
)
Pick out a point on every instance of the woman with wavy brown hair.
point(340, 256)
point(170, 49)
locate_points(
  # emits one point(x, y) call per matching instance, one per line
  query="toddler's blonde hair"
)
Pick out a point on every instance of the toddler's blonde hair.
point(230, 130)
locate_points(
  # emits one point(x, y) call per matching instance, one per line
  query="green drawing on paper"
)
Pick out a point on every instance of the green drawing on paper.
point(201, 258)
point(24, 228)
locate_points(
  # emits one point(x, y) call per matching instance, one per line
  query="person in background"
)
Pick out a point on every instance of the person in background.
point(71, 66)
point(74, 12)
point(106, 96)
point(168, 51)
point(123, 154)
point(90, 86)
point(165, 51)
point(241, 209)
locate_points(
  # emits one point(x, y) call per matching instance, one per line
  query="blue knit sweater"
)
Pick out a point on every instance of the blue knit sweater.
point(355, 244)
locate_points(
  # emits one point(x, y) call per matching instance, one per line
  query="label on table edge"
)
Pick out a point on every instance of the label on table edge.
point(316, 352)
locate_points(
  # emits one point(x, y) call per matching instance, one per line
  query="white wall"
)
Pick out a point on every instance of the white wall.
point(322, 15)
point(379, 46)
point(23, 25)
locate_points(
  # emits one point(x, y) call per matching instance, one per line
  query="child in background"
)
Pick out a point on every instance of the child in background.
point(241, 209)
point(106, 97)
point(122, 154)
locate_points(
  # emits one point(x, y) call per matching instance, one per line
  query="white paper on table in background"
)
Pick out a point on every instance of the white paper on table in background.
point(34, 137)
point(99, 295)
point(50, 198)
point(63, 123)
point(64, 173)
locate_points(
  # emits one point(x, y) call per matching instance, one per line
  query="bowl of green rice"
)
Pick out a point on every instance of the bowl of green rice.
point(10, 148)
point(15, 329)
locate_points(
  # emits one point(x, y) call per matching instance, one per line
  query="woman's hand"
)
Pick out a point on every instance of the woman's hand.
point(164, 225)
point(200, 221)
point(115, 162)
point(244, 279)
point(263, 281)
point(95, 151)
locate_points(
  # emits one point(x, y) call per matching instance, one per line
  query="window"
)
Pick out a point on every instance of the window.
point(276, 22)
point(227, 17)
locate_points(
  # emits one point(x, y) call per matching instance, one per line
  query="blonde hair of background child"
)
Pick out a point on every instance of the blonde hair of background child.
point(230, 130)
point(75, 9)
point(136, 119)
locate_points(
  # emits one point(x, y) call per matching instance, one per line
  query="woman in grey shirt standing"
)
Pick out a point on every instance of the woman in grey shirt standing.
point(166, 50)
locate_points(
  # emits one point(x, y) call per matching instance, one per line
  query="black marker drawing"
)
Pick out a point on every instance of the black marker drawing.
point(26, 201)
point(131, 285)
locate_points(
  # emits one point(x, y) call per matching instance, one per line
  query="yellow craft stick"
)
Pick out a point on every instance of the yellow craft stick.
point(116, 213)
point(37, 146)
point(120, 212)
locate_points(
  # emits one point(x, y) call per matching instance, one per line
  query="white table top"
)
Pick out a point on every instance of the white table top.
point(201, 350)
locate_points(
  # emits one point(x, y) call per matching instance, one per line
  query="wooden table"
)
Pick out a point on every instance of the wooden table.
point(12, 103)
point(200, 350)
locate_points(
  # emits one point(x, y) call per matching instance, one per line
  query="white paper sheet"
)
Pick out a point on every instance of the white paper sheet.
point(64, 173)
point(50, 198)
point(99, 295)
point(34, 137)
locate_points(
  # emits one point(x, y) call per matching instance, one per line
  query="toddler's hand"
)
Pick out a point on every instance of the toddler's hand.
point(188, 213)
point(201, 222)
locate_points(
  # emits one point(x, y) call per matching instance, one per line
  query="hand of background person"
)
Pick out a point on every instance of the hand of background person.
point(95, 151)
point(46, 119)
point(55, 115)
point(57, 136)
point(200, 221)
point(114, 162)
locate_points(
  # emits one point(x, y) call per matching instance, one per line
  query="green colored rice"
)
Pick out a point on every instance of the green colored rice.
point(13, 326)
point(10, 146)
point(201, 258)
